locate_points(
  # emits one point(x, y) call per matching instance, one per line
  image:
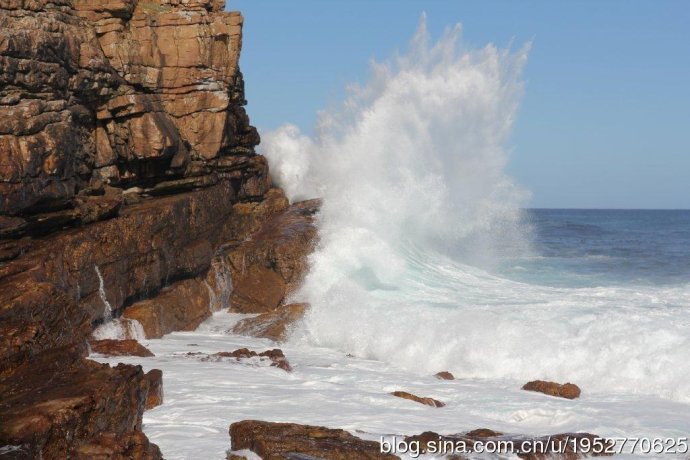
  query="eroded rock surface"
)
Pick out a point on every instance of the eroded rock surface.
point(127, 164)
point(281, 441)
point(421, 400)
point(127, 347)
point(270, 265)
point(272, 325)
point(59, 403)
point(566, 390)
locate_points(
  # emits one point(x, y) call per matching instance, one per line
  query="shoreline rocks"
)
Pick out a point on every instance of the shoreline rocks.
point(272, 325)
point(127, 347)
point(280, 441)
point(128, 165)
point(426, 401)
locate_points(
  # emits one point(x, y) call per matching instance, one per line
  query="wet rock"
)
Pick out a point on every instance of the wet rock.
point(179, 307)
point(444, 375)
point(257, 290)
point(566, 390)
point(272, 325)
point(127, 347)
point(281, 441)
point(483, 433)
point(275, 355)
point(154, 397)
point(271, 264)
point(427, 401)
point(119, 446)
point(59, 401)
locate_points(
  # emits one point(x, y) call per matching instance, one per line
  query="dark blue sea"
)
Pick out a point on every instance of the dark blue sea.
point(588, 248)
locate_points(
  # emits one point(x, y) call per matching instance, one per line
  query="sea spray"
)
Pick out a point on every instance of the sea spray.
point(418, 213)
point(114, 328)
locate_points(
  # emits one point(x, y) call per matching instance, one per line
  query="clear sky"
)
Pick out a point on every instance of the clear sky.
point(605, 120)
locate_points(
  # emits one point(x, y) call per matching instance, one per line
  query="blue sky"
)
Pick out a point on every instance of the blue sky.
point(605, 120)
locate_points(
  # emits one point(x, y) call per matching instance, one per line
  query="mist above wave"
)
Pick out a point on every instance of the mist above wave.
point(418, 210)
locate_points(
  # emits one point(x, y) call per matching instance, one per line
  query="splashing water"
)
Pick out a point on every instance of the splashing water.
point(114, 328)
point(219, 293)
point(417, 215)
point(107, 308)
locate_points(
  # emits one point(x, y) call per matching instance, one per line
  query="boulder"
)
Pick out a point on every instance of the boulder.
point(59, 402)
point(566, 390)
point(272, 325)
point(127, 347)
point(275, 355)
point(426, 401)
point(282, 441)
point(181, 306)
point(154, 397)
point(444, 375)
point(270, 265)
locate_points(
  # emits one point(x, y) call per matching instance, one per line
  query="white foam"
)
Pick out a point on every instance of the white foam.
point(411, 170)
point(202, 398)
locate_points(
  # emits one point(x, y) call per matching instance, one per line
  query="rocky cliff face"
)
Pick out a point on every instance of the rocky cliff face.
point(128, 179)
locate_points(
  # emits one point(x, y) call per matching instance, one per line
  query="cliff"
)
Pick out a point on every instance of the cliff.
point(129, 188)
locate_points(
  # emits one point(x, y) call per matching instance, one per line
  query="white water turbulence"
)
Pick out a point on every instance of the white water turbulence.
point(114, 328)
point(418, 212)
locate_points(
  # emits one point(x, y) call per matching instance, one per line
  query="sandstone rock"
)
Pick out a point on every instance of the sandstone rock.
point(281, 441)
point(427, 401)
point(276, 357)
point(58, 402)
point(127, 347)
point(271, 264)
point(154, 397)
point(273, 324)
point(444, 375)
point(567, 390)
point(179, 307)
point(257, 290)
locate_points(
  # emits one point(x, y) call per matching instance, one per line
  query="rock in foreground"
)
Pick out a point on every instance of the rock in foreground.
point(62, 406)
point(566, 390)
point(280, 441)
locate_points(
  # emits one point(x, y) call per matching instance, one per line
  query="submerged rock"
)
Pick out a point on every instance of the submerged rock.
point(427, 401)
point(282, 441)
point(444, 375)
point(566, 390)
point(276, 356)
point(127, 347)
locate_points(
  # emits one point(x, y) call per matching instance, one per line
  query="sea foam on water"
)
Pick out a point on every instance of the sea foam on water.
point(418, 211)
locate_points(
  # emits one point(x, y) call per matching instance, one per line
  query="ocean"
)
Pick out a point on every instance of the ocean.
point(598, 247)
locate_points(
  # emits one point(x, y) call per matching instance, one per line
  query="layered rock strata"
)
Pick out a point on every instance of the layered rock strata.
point(127, 176)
